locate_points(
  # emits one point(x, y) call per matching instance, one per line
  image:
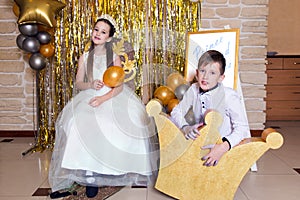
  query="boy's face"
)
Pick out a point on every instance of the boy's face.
point(209, 76)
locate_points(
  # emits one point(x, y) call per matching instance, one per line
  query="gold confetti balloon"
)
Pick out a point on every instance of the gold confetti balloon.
point(113, 76)
point(165, 94)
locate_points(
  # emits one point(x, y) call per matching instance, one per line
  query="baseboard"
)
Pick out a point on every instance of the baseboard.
point(256, 133)
point(29, 133)
point(18, 133)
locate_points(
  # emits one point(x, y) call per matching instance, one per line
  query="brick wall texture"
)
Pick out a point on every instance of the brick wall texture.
point(17, 79)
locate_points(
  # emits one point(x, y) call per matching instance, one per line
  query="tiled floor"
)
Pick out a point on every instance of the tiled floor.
point(276, 179)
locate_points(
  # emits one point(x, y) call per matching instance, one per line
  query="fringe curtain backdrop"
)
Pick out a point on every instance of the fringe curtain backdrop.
point(156, 29)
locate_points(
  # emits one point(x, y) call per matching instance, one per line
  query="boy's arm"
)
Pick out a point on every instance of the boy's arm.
point(179, 111)
point(238, 120)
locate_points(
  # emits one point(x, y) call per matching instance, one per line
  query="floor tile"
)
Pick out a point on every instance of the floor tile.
point(271, 187)
point(42, 192)
point(24, 198)
point(271, 164)
point(129, 193)
point(297, 170)
point(6, 140)
point(277, 177)
point(154, 194)
point(240, 195)
point(21, 177)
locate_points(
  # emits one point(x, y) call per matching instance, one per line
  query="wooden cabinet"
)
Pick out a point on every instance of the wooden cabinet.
point(283, 88)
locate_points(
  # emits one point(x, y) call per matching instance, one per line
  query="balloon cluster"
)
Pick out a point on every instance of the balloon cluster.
point(37, 42)
point(36, 18)
point(171, 94)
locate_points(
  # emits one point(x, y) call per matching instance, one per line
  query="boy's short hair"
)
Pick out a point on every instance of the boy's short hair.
point(211, 56)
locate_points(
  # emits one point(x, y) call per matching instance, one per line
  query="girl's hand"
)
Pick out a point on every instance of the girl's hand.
point(96, 101)
point(97, 84)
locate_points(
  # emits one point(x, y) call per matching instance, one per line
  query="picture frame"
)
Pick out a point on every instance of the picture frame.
point(225, 41)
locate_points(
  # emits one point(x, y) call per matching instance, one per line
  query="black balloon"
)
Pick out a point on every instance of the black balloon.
point(37, 61)
point(31, 44)
point(190, 116)
point(20, 39)
point(28, 29)
point(180, 90)
point(44, 37)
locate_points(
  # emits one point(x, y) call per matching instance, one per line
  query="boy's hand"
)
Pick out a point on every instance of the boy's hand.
point(191, 132)
point(215, 154)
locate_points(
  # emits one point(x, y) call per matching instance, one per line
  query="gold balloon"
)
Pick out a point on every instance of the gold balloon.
point(172, 103)
point(48, 29)
point(47, 50)
point(16, 9)
point(113, 76)
point(174, 80)
point(158, 100)
point(165, 94)
point(39, 11)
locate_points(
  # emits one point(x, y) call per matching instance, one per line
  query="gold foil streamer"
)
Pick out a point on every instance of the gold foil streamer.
point(155, 28)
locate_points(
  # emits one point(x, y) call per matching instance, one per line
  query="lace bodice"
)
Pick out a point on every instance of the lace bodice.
point(99, 66)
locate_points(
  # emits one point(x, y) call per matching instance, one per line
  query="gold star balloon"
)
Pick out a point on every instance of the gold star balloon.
point(39, 11)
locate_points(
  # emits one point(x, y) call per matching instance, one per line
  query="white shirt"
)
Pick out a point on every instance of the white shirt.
point(223, 99)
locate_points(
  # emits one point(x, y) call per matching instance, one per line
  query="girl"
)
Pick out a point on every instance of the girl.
point(102, 134)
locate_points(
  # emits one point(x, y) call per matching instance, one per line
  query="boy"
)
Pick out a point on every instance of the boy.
point(209, 93)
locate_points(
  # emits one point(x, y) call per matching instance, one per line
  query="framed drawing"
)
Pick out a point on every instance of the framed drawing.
point(226, 41)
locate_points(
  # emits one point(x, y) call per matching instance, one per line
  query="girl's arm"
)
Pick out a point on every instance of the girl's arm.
point(98, 100)
point(80, 84)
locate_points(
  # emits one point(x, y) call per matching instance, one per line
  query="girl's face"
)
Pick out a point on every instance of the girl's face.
point(100, 33)
point(209, 76)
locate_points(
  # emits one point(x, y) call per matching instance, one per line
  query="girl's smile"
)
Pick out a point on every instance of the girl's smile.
point(100, 33)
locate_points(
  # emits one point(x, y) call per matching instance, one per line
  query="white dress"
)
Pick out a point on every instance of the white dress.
point(111, 140)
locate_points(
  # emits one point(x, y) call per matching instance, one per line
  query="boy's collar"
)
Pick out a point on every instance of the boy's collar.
point(202, 91)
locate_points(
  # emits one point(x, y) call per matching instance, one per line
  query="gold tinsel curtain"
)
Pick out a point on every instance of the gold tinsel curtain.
point(156, 29)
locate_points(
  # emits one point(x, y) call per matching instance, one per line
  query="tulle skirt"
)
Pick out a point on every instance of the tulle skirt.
point(113, 144)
